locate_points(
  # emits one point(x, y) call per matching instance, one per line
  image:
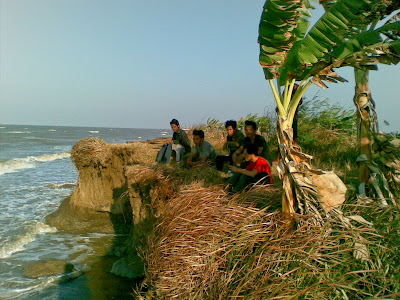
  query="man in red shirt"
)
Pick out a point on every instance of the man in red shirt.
point(257, 169)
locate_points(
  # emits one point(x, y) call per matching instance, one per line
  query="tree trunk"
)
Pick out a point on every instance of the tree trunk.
point(285, 142)
point(365, 107)
point(306, 189)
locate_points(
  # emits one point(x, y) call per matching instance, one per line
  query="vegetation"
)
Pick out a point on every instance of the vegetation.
point(210, 245)
point(290, 52)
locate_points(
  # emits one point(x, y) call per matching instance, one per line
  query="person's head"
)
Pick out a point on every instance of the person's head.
point(251, 152)
point(198, 137)
point(231, 126)
point(174, 125)
point(250, 128)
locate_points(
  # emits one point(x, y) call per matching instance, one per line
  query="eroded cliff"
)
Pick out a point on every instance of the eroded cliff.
point(116, 186)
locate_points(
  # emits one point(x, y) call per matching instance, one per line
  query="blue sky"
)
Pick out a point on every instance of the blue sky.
point(141, 63)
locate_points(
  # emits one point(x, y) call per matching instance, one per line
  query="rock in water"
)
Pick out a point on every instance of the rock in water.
point(128, 268)
point(48, 267)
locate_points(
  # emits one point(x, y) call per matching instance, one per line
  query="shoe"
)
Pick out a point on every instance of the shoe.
point(229, 173)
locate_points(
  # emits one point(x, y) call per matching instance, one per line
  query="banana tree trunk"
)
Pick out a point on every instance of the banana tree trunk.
point(365, 118)
point(306, 189)
point(285, 144)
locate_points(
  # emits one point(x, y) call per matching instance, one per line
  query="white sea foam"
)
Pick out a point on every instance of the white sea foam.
point(52, 130)
point(93, 131)
point(16, 164)
point(12, 166)
point(61, 185)
point(2, 127)
point(28, 235)
point(18, 132)
point(50, 157)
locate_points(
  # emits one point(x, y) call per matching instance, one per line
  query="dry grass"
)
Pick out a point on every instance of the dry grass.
point(208, 245)
point(90, 151)
point(147, 152)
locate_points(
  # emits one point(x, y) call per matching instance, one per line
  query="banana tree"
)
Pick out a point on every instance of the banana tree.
point(385, 51)
point(389, 53)
point(290, 52)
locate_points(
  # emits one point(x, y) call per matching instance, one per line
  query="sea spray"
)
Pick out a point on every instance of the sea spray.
point(11, 166)
point(18, 239)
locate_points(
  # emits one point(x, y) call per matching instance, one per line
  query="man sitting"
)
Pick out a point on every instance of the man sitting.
point(180, 144)
point(257, 169)
point(253, 139)
point(204, 151)
point(234, 140)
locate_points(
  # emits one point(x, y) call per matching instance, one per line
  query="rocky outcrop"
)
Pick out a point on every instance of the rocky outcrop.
point(116, 192)
point(100, 199)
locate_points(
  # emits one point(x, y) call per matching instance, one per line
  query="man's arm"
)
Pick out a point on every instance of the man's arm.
point(236, 154)
point(200, 162)
point(185, 139)
point(251, 173)
point(190, 159)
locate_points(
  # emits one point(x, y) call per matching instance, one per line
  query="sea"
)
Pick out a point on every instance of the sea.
point(36, 174)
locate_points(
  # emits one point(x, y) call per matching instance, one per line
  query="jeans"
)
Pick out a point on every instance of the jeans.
point(165, 153)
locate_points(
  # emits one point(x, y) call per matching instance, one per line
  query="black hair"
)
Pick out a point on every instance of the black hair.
point(174, 121)
point(252, 149)
point(250, 123)
point(199, 133)
point(231, 123)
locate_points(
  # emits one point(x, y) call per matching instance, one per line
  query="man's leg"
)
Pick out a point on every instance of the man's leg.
point(178, 150)
point(234, 180)
point(161, 154)
point(243, 181)
point(167, 155)
point(220, 160)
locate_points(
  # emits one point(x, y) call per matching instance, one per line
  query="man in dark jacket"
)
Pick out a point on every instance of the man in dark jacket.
point(255, 139)
point(234, 140)
point(180, 143)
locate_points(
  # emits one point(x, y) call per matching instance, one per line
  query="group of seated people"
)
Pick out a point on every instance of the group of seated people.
point(249, 156)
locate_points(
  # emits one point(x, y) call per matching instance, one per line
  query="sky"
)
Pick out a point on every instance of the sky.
point(138, 64)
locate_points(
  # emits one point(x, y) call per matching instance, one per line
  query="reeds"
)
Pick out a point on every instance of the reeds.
point(211, 246)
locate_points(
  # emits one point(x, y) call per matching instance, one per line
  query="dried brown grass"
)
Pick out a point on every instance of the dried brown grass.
point(90, 151)
point(208, 245)
point(190, 231)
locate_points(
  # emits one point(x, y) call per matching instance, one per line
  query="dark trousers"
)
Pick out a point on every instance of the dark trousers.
point(221, 159)
point(164, 155)
point(239, 181)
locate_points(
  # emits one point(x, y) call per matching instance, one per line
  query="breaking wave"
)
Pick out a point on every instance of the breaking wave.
point(18, 132)
point(11, 166)
point(29, 232)
point(61, 185)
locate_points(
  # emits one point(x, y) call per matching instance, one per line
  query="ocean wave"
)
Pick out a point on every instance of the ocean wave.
point(28, 235)
point(50, 157)
point(61, 185)
point(93, 131)
point(16, 164)
point(18, 132)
